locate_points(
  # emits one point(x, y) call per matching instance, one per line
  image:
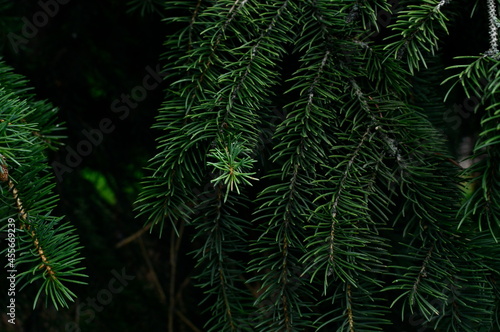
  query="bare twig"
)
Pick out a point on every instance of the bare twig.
point(156, 281)
point(132, 237)
point(174, 251)
point(187, 321)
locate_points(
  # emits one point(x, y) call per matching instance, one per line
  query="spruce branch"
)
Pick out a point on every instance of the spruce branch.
point(493, 28)
point(357, 195)
point(192, 22)
point(232, 162)
point(418, 28)
point(350, 316)
point(54, 264)
point(47, 250)
point(223, 233)
point(215, 41)
point(442, 3)
point(480, 78)
point(25, 224)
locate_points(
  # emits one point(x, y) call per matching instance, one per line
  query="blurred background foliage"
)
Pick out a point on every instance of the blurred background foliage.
point(87, 56)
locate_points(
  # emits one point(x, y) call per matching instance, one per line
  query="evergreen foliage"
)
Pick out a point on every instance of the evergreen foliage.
point(47, 250)
point(360, 210)
point(301, 150)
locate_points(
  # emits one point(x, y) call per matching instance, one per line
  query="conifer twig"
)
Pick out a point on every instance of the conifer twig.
point(156, 281)
point(174, 251)
point(23, 215)
point(493, 19)
point(133, 237)
point(187, 321)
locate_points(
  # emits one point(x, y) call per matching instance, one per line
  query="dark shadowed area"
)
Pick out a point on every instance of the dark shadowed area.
point(98, 62)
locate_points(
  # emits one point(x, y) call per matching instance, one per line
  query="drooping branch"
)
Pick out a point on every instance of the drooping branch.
point(25, 224)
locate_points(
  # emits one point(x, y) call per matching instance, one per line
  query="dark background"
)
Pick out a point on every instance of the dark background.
point(85, 57)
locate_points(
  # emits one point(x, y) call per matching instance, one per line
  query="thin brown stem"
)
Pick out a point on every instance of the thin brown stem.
point(174, 253)
point(23, 215)
point(133, 237)
point(156, 281)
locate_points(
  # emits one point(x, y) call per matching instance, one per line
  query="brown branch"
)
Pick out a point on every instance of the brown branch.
point(156, 281)
point(133, 237)
point(175, 244)
point(187, 321)
point(23, 215)
point(349, 309)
